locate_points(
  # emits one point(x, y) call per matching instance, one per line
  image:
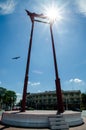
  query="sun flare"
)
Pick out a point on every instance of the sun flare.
point(53, 13)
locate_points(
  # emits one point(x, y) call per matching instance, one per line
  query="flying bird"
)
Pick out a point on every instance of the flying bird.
point(15, 58)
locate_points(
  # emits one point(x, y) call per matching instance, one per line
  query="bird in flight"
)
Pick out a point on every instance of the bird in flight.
point(15, 58)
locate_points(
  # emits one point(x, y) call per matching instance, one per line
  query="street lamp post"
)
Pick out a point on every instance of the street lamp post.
point(57, 81)
point(66, 103)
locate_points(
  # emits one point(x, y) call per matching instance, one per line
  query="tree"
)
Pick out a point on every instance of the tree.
point(83, 101)
point(9, 99)
point(2, 93)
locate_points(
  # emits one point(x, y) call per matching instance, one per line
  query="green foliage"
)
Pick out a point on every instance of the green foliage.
point(7, 98)
point(2, 92)
point(83, 101)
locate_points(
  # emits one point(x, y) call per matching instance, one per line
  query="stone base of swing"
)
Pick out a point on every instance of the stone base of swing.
point(39, 118)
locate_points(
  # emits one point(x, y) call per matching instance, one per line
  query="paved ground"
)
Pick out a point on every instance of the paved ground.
point(82, 127)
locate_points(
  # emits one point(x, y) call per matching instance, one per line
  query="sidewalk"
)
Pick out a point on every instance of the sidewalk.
point(82, 127)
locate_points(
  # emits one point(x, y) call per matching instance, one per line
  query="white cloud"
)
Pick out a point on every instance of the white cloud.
point(37, 72)
point(34, 83)
point(19, 97)
point(81, 4)
point(39, 91)
point(0, 82)
point(7, 6)
point(76, 80)
point(18, 94)
point(29, 82)
point(74, 84)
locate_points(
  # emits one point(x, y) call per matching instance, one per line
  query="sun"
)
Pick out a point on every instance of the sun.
point(53, 13)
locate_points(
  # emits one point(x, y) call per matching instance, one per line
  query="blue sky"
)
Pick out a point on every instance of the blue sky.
point(70, 44)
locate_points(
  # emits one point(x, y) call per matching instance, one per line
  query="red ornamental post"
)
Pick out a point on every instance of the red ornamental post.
point(27, 68)
point(60, 108)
